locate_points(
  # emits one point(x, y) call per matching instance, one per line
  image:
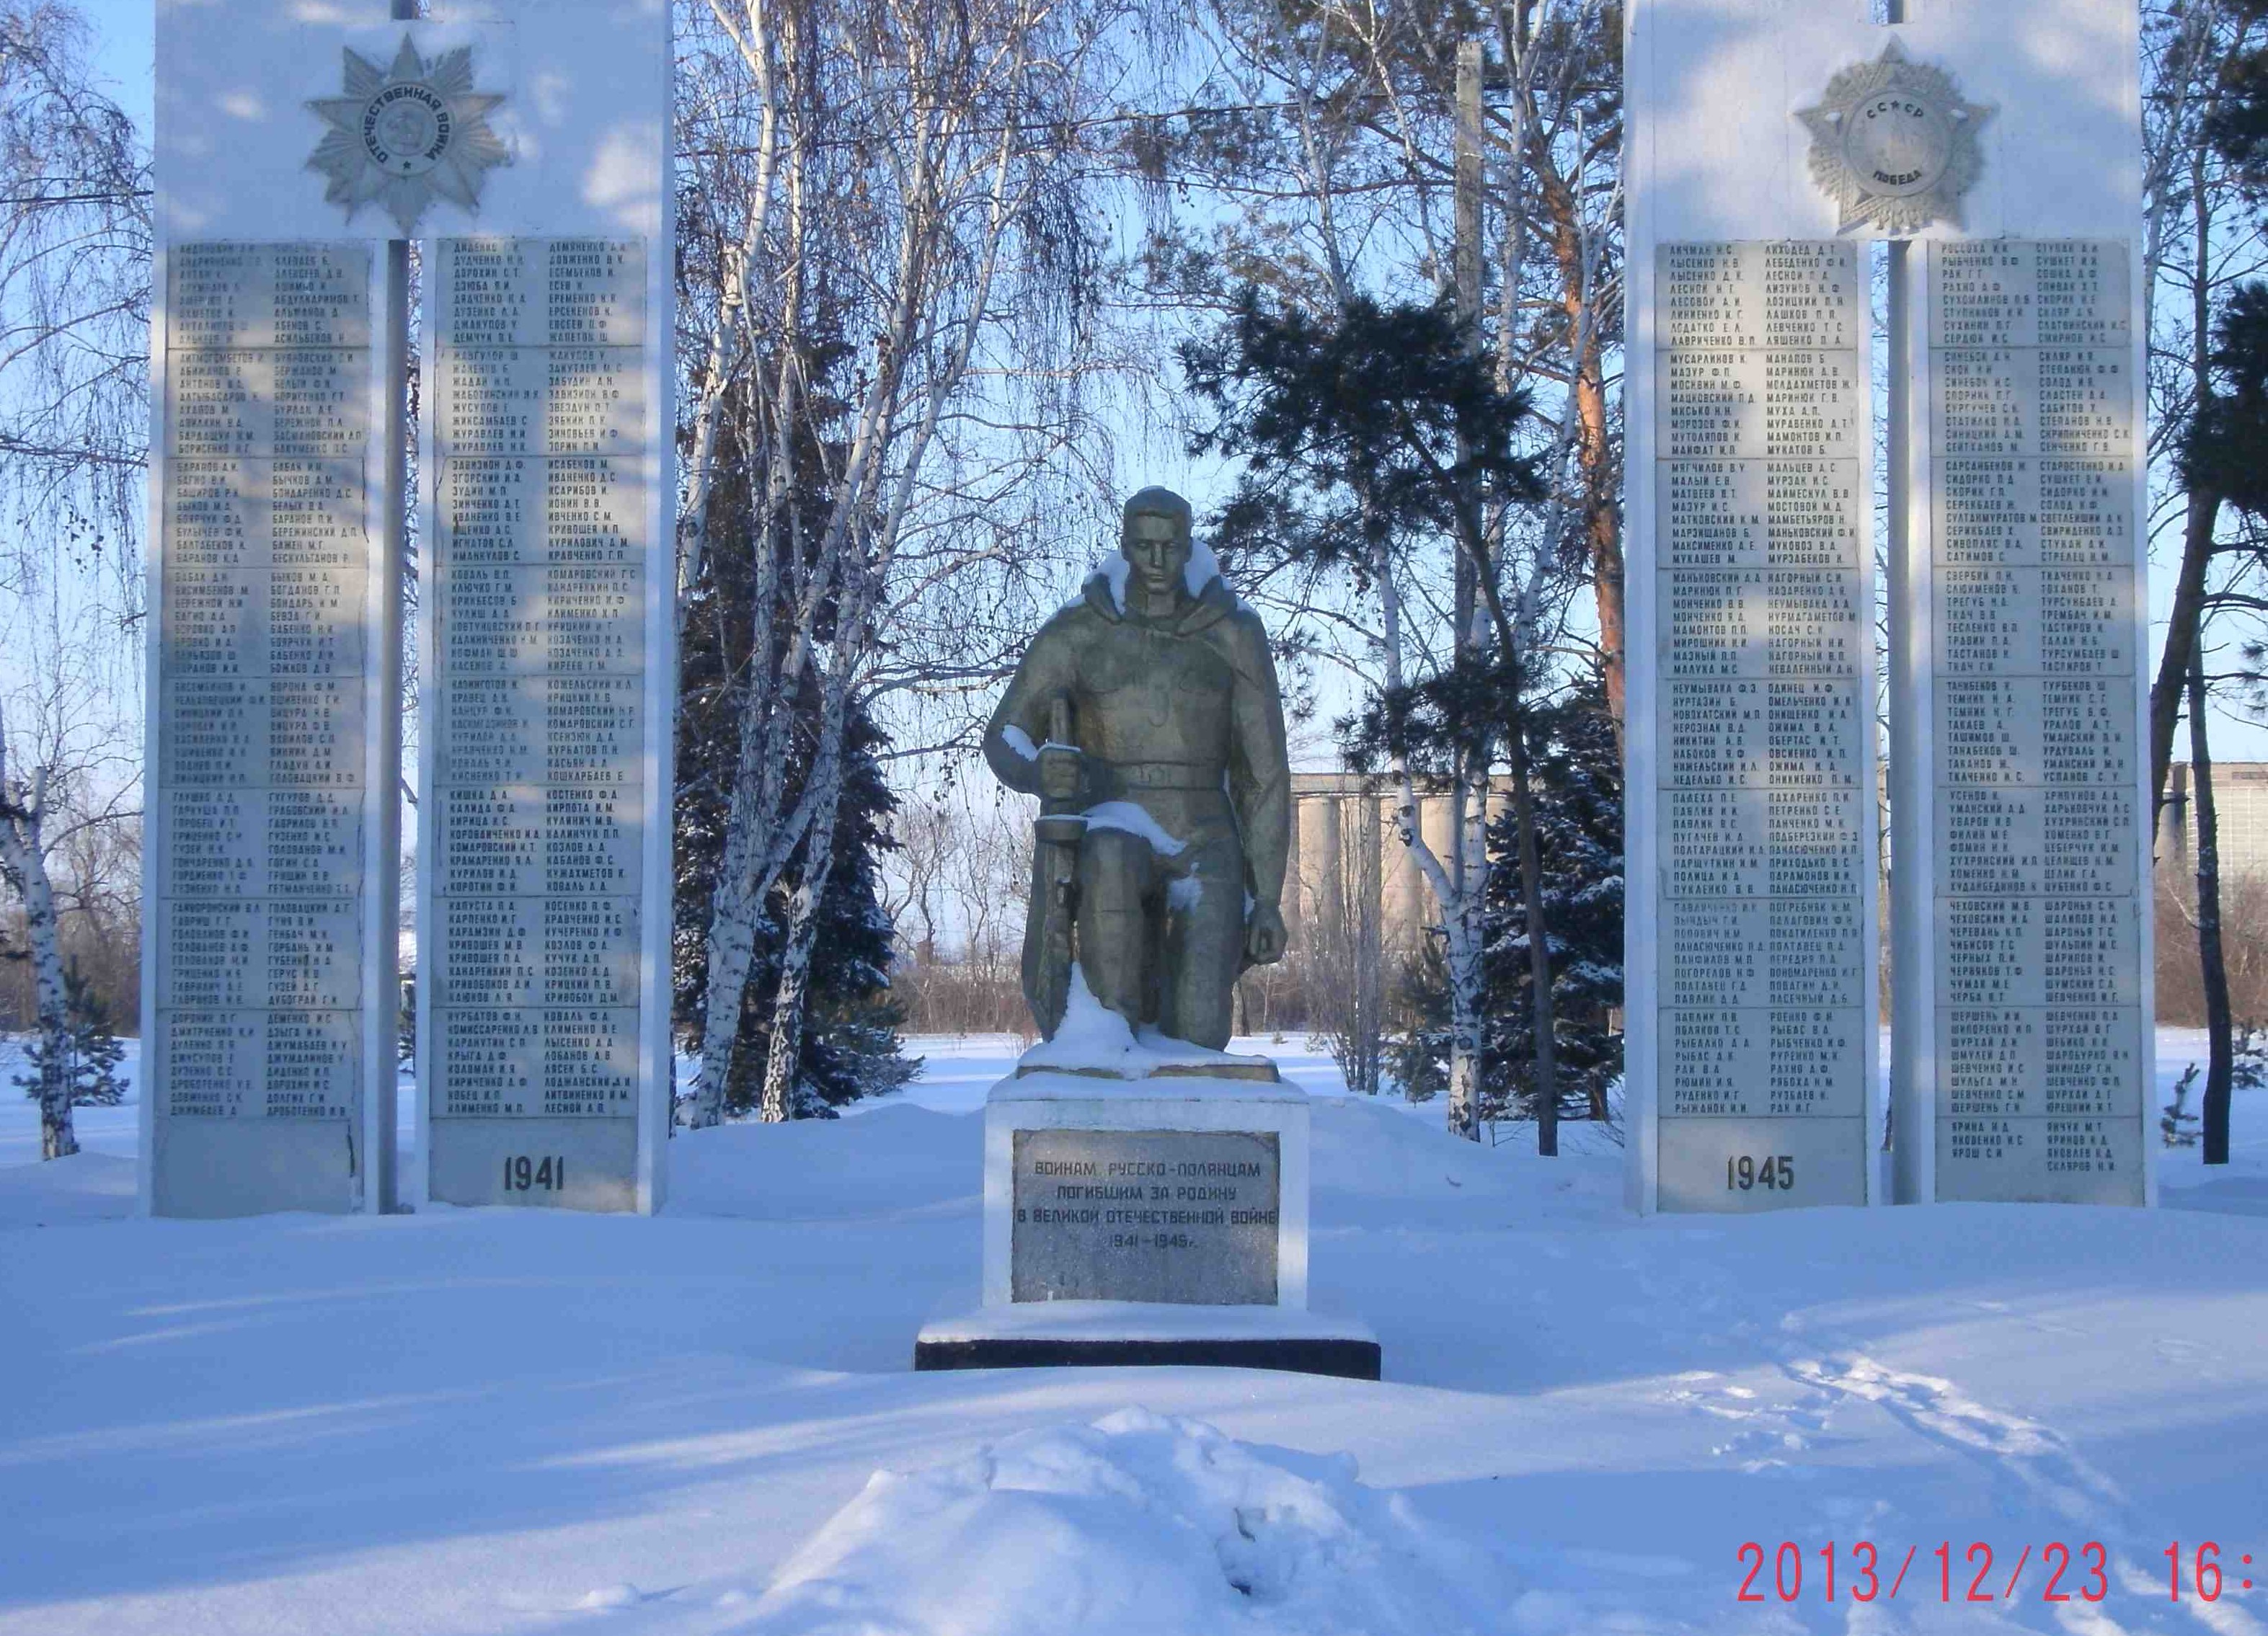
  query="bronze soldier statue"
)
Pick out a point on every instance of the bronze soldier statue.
point(1157, 721)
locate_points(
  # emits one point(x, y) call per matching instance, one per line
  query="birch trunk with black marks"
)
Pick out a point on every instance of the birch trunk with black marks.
point(825, 784)
point(24, 861)
point(759, 837)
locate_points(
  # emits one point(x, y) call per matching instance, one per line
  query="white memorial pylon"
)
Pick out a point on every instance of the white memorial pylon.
point(1996, 144)
point(2021, 934)
point(548, 646)
point(297, 154)
point(272, 745)
point(1752, 820)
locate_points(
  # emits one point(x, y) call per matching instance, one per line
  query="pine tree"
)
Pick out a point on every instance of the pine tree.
point(1372, 436)
point(1579, 822)
point(1418, 1056)
point(1578, 819)
point(2175, 1122)
point(2248, 1064)
point(92, 1052)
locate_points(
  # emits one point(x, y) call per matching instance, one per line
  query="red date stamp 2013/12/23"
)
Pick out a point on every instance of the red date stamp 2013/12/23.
point(1861, 1571)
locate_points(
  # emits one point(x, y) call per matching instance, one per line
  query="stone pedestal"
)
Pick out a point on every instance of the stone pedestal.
point(1152, 1220)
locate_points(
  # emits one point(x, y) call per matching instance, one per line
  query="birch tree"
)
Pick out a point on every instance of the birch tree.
point(73, 313)
point(27, 817)
point(65, 770)
point(74, 345)
point(897, 249)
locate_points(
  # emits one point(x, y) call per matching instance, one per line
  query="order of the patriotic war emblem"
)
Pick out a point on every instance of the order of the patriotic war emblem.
point(1893, 144)
point(405, 134)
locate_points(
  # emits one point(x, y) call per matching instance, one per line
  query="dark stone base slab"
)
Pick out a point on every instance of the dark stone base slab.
point(1346, 1358)
point(1259, 1069)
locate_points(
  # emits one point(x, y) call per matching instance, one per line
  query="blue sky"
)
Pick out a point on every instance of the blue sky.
point(125, 51)
point(125, 54)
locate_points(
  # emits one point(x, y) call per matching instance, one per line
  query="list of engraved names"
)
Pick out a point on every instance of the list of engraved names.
point(258, 789)
point(540, 590)
point(1764, 664)
point(2038, 987)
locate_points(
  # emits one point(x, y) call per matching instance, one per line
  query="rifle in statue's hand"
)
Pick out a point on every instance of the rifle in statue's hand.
point(1055, 836)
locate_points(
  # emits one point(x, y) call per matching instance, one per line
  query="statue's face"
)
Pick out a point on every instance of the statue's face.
point(1157, 550)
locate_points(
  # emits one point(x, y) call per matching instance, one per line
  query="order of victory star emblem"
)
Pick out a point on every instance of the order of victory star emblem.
point(404, 134)
point(1894, 143)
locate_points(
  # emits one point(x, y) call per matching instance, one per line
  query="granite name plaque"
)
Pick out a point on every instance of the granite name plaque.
point(1161, 1216)
point(544, 784)
point(1761, 912)
point(2041, 1037)
point(259, 733)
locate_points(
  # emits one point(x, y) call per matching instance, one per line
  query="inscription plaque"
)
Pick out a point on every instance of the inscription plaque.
point(543, 784)
point(2041, 1038)
point(260, 730)
point(1186, 1216)
point(1763, 907)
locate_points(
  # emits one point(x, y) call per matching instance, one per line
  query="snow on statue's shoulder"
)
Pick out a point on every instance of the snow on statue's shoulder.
point(1201, 570)
point(1095, 1042)
point(1115, 569)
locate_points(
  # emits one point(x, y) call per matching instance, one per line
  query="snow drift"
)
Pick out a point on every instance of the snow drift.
point(1137, 1525)
point(504, 1422)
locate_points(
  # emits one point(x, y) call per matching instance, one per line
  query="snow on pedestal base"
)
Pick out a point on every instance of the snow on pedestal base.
point(1139, 1210)
point(1095, 1042)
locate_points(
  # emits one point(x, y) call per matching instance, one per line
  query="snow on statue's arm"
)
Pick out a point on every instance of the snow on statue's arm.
point(1020, 726)
point(1135, 820)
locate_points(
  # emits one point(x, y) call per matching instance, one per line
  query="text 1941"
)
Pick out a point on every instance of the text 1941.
point(523, 1173)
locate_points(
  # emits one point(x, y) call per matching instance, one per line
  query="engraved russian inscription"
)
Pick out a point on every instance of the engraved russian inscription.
point(1765, 802)
point(539, 812)
point(2039, 1019)
point(1185, 1216)
point(264, 561)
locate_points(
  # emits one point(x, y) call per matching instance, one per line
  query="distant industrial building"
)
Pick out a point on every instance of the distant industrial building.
point(1355, 881)
point(2240, 799)
point(1359, 905)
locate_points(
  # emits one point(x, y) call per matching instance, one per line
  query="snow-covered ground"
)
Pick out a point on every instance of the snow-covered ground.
point(505, 1421)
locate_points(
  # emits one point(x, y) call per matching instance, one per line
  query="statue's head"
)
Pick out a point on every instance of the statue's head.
point(1154, 539)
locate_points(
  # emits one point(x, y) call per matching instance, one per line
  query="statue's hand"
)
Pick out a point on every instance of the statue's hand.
point(1264, 935)
point(1061, 772)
